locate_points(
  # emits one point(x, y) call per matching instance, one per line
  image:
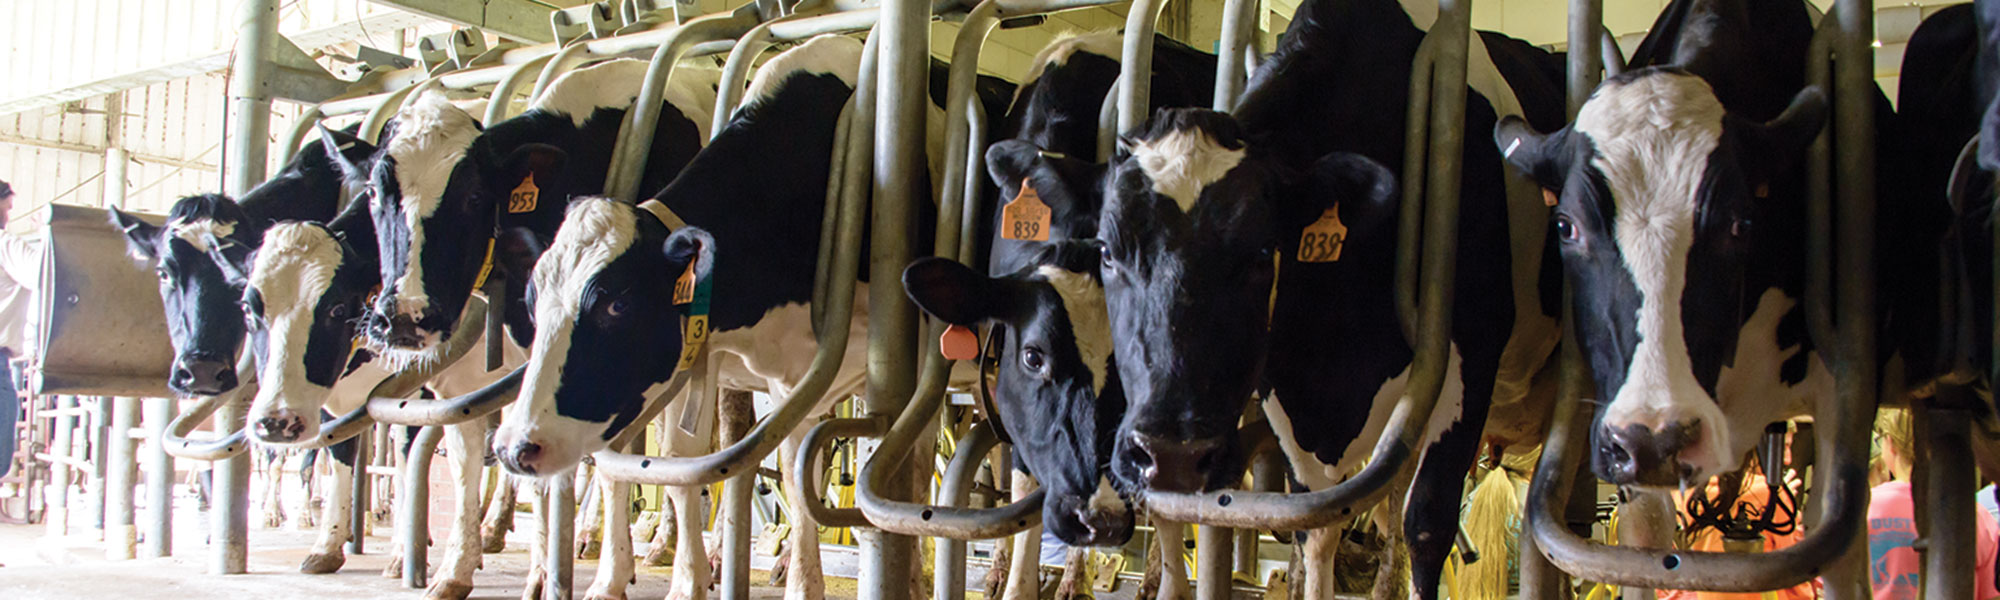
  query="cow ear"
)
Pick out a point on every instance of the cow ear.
point(541, 160)
point(1010, 160)
point(690, 246)
point(1364, 190)
point(950, 291)
point(1537, 155)
point(346, 152)
point(141, 238)
point(1774, 146)
point(516, 251)
point(233, 259)
point(1063, 182)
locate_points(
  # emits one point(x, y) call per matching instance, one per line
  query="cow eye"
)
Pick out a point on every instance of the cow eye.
point(617, 307)
point(1033, 360)
point(1739, 228)
point(1104, 257)
point(1566, 229)
point(162, 273)
point(339, 311)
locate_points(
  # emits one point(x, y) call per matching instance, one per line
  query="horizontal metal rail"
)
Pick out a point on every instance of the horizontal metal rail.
point(909, 518)
point(806, 465)
point(948, 581)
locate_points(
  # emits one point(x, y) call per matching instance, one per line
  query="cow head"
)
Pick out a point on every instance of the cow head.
point(1655, 221)
point(435, 209)
point(304, 291)
point(1056, 394)
point(203, 321)
point(1193, 218)
point(606, 332)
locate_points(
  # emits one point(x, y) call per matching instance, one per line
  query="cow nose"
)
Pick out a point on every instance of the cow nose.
point(1174, 465)
point(1102, 529)
point(1638, 454)
point(403, 332)
point(522, 458)
point(281, 426)
point(201, 376)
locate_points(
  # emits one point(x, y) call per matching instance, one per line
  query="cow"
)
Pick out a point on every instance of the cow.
point(1682, 224)
point(1204, 210)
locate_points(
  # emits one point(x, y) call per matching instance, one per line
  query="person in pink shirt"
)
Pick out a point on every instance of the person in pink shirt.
point(1895, 571)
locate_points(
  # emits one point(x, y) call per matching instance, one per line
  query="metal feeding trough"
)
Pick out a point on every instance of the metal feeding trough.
point(102, 327)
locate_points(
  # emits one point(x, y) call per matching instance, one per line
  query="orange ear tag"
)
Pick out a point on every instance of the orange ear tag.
point(1322, 240)
point(524, 196)
point(1548, 197)
point(684, 287)
point(1763, 190)
point(958, 343)
point(1025, 218)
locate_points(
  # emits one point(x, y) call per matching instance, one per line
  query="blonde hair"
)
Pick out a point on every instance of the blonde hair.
point(1892, 432)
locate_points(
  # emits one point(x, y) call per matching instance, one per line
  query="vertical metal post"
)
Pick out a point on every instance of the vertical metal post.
point(414, 528)
point(357, 513)
point(735, 525)
point(1854, 293)
point(1645, 520)
point(560, 519)
point(1135, 75)
point(94, 455)
point(159, 480)
point(1948, 493)
point(1239, 22)
point(60, 442)
point(1214, 558)
point(121, 475)
point(243, 166)
point(900, 105)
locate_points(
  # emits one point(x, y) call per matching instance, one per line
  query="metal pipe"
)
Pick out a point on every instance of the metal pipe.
point(61, 444)
point(635, 139)
point(1136, 66)
point(121, 475)
point(302, 130)
point(413, 527)
point(1214, 558)
point(1587, 41)
point(498, 103)
point(1949, 560)
point(735, 510)
point(1819, 191)
point(1612, 59)
point(1409, 219)
point(948, 571)
point(379, 115)
point(910, 518)
point(560, 519)
point(1239, 30)
point(557, 64)
point(159, 481)
point(448, 411)
point(836, 176)
point(807, 464)
point(736, 72)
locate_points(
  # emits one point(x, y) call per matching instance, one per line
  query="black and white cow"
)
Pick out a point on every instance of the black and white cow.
point(1257, 252)
point(607, 332)
point(202, 318)
point(1681, 222)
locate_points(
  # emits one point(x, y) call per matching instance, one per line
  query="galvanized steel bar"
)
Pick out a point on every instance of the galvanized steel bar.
point(1214, 558)
point(736, 73)
point(121, 475)
point(1239, 31)
point(224, 447)
point(1586, 45)
point(807, 464)
point(159, 481)
point(302, 130)
point(1819, 190)
point(948, 572)
point(911, 518)
point(378, 116)
point(1136, 66)
point(635, 138)
point(357, 513)
point(560, 519)
point(61, 444)
point(1409, 220)
point(1949, 554)
point(734, 513)
point(499, 102)
point(413, 525)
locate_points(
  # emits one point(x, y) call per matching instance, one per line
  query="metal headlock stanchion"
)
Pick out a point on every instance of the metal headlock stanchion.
point(159, 467)
point(1430, 194)
point(1540, 579)
point(1829, 550)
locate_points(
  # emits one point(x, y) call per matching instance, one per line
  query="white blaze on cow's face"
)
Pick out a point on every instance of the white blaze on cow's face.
point(1654, 221)
point(300, 300)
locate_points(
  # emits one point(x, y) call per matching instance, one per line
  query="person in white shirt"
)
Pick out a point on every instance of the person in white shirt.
point(20, 275)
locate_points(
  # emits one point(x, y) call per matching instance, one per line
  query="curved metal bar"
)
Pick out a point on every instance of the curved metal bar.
point(806, 465)
point(1239, 18)
point(962, 81)
point(228, 446)
point(503, 92)
point(1409, 220)
point(1136, 68)
point(764, 438)
point(628, 158)
point(932, 520)
point(302, 129)
point(836, 174)
point(949, 563)
point(560, 62)
point(736, 71)
point(414, 506)
point(378, 117)
point(448, 411)
point(1819, 191)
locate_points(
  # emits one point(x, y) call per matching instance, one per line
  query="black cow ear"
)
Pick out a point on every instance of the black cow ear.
point(346, 152)
point(141, 238)
point(541, 160)
point(1010, 160)
point(1364, 190)
point(233, 259)
point(690, 246)
point(1537, 155)
point(950, 291)
point(1774, 146)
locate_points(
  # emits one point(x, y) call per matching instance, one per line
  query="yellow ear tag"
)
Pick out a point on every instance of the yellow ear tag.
point(959, 343)
point(1548, 197)
point(1322, 240)
point(692, 339)
point(485, 268)
point(684, 287)
point(525, 196)
point(1025, 218)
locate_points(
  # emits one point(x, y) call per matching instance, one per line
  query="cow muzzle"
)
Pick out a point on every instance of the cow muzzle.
point(404, 332)
point(1174, 465)
point(1081, 522)
point(1637, 454)
point(202, 376)
point(281, 426)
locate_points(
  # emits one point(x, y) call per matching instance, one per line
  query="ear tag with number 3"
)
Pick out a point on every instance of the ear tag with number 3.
point(524, 196)
point(1322, 240)
point(1025, 218)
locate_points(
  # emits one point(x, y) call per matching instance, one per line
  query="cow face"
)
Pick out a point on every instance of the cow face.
point(304, 292)
point(1656, 206)
point(606, 333)
point(1193, 219)
point(435, 214)
point(1057, 397)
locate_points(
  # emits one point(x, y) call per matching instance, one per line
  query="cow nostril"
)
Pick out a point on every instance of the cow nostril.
point(527, 453)
point(182, 376)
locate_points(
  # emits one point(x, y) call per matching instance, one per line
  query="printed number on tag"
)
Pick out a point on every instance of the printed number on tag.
point(684, 287)
point(1323, 239)
point(1026, 218)
point(525, 196)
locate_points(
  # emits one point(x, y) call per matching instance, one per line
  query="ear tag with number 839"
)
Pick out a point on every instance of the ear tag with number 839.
point(1026, 218)
point(1322, 240)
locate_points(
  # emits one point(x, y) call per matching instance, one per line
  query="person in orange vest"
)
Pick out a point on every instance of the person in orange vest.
point(1755, 494)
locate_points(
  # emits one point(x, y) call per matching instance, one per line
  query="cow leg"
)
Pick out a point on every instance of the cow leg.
point(538, 574)
point(664, 539)
point(499, 514)
point(1391, 572)
point(691, 573)
point(1074, 565)
point(461, 555)
point(589, 517)
point(614, 569)
point(1173, 563)
point(802, 577)
point(1024, 575)
point(1318, 552)
point(309, 477)
point(328, 553)
point(1430, 522)
point(274, 492)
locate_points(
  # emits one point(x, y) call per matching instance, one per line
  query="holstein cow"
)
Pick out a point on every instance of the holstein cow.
point(1204, 211)
point(607, 328)
point(1681, 222)
point(203, 321)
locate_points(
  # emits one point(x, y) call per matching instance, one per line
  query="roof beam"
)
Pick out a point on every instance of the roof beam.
point(525, 21)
